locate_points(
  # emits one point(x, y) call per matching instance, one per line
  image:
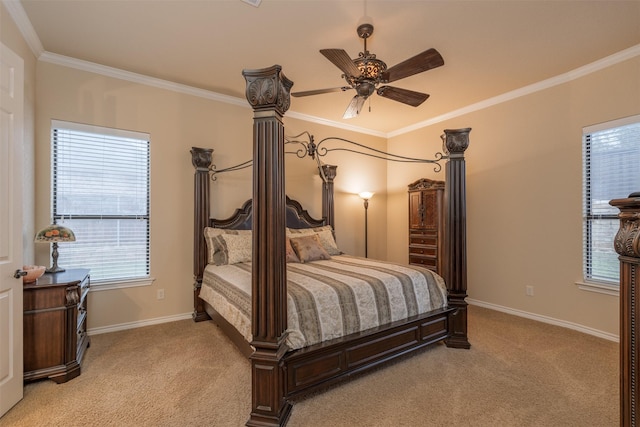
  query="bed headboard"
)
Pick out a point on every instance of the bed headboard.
point(296, 217)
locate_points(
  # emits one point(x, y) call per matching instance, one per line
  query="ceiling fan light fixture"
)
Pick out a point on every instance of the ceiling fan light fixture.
point(370, 67)
point(366, 73)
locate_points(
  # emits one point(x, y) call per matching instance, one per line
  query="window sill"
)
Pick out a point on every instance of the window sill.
point(106, 285)
point(599, 287)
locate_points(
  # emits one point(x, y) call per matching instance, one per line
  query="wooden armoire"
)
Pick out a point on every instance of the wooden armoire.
point(426, 224)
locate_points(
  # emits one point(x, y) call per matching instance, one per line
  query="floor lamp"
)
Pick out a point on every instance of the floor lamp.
point(366, 195)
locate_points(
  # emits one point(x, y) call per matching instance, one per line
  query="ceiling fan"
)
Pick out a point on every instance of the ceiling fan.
point(366, 73)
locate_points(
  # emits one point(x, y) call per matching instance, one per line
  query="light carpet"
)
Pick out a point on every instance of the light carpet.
point(518, 372)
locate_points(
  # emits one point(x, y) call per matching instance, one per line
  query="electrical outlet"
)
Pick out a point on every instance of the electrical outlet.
point(160, 294)
point(529, 290)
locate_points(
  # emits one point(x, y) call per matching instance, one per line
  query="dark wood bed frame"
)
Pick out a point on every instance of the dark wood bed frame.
point(280, 376)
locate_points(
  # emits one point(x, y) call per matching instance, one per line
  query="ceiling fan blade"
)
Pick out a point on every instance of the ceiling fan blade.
point(354, 107)
point(341, 59)
point(421, 62)
point(320, 91)
point(405, 96)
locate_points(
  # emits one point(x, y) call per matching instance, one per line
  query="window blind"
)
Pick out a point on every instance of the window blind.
point(100, 180)
point(611, 171)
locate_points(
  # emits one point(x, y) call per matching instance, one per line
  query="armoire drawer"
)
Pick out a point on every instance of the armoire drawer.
point(423, 250)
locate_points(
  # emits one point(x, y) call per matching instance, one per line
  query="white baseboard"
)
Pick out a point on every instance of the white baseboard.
point(508, 310)
point(137, 324)
point(546, 319)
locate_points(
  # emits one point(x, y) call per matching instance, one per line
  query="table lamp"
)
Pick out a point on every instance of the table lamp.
point(55, 233)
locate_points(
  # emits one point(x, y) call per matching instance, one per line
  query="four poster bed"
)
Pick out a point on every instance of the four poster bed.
point(273, 313)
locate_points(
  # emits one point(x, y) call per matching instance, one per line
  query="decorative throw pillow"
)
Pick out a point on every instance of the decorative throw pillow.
point(216, 246)
point(209, 234)
point(220, 252)
point(309, 248)
point(325, 234)
point(291, 254)
point(238, 247)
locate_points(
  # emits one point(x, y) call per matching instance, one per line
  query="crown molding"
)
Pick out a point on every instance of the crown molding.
point(17, 12)
point(15, 9)
point(608, 61)
point(338, 125)
point(117, 73)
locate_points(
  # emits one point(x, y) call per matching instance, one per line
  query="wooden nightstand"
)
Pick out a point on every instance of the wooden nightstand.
point(55, 325)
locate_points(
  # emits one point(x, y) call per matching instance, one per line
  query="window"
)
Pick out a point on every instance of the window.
point(611, 171)
point(100, 179)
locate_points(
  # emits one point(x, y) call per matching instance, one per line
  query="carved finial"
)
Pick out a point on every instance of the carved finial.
point(627, 240)
point(201, 158)
point(329, 171)
point(456, 140)
point(268, 89)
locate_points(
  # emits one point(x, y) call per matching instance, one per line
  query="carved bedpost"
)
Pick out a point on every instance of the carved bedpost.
point(201, 159)
point(268, 93)
point(455, 274)
point(627, 245)
point(328, 214)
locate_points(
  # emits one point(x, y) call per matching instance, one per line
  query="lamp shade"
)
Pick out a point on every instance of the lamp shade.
point(55, 233)
point(366, 195)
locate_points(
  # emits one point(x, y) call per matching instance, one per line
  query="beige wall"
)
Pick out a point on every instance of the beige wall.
point(524, 186)
point(176, 122)
point(354, 174)
point(11, 37)
point(523, 171)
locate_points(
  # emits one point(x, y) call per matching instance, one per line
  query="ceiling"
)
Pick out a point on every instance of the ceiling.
point(489, 47)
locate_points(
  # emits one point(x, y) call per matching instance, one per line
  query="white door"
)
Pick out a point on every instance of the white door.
point(11, 131)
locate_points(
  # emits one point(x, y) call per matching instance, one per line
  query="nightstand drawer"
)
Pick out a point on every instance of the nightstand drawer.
point(41, 297)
